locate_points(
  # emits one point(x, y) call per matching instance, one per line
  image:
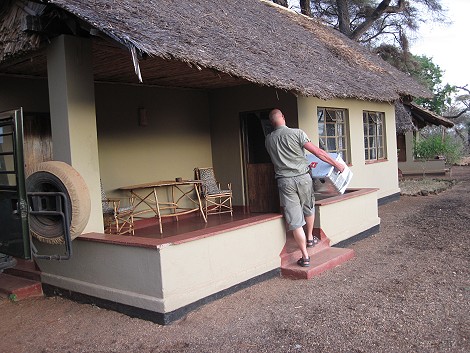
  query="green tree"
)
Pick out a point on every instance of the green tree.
point(425, 71)
point(429, 147)
point(430, 75)
point(459, 113)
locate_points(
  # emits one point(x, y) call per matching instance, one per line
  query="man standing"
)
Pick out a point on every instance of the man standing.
point(286, 147)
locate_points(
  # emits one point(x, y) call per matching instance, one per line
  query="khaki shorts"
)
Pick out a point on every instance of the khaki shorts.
point(297, 199)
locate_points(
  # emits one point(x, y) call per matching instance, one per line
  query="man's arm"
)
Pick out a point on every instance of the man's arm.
point(323, 155)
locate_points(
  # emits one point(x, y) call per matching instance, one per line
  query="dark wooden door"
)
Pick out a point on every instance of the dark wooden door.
point(260, 186)
point(401, 146)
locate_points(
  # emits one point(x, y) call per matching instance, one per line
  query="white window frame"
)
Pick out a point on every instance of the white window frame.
point(333, 134)
point(375, 148)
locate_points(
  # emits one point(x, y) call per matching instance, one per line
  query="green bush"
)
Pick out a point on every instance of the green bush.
point(434, 146)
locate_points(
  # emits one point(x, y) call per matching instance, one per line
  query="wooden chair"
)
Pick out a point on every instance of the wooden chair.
point(117, 220)
point(216, 200)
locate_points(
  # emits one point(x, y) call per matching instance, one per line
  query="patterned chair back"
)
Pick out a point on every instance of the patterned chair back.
point(106, 207)
point(206, 175)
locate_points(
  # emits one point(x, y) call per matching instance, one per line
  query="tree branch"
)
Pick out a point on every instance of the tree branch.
point(459, 114)
point(343, 17)
point(383, 7)
point(281, 2)
point(305, 8)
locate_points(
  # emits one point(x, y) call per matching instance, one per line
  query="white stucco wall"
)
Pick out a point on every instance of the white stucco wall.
point(175, 140)
point(358, 213)
point(383, 174)
point(226, 106)
point(73, 118)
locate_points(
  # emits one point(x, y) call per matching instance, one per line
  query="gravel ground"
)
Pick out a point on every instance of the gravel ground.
point(425, 186)
point(406, 290)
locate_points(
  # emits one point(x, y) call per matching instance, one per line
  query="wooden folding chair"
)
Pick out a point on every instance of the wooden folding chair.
point(216, 200)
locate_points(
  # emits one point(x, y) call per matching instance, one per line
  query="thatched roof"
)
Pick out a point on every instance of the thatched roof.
point(411, 117)
point(234, 40)
point(403, 119)
point(427, 117)
point(14, 41)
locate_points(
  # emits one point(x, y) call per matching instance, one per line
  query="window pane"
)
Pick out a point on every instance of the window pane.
point(331, 144)
point(366, 143)
point(339, 116)
point(380, 153)
point(330, 129)
point(321, 115)
point(340, 129)
point(372, 130)
point(373, 154)
point(366, 154)
point(321, 129)
point(330, 116)
point(371, 141)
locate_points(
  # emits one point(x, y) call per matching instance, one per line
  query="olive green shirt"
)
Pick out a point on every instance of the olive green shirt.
point(285, 147)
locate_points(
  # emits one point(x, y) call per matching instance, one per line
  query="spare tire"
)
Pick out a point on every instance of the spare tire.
point(59, 177)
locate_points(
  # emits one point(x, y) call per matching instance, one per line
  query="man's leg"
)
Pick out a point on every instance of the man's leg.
point(310, 220)
point(299, 236)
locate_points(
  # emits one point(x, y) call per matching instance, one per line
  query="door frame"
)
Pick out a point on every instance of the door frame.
point(14, 196)
point(246, 153)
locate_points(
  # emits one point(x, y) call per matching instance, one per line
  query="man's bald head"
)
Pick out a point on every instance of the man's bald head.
point(276, 117)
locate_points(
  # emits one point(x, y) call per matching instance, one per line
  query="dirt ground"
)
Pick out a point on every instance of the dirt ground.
point(406, 290)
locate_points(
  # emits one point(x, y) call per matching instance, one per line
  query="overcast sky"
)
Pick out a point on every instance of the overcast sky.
point(447, 45)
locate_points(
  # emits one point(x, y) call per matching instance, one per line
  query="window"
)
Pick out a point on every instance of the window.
point(333, 131)
point(374, 135)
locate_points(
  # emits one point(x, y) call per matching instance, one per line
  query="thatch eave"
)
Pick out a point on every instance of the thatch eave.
point(251, 40)
point(412, 117)
point(403, 119)
point(428, 117)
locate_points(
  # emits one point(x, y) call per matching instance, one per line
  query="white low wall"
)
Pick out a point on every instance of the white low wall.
point(197, 269)
point(423, 167)
point(167, 277)
point(342, 217)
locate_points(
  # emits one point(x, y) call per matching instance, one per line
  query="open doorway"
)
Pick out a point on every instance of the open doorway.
point(261, 191)
point(25, 140)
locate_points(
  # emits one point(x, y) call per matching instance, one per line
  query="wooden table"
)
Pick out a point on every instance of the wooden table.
point(146, 194)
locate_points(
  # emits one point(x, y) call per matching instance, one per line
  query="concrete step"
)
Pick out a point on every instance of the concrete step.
point(26, 269)
point(322, 257)
point(18, 288)
point(320, 261)
point(291, 252)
